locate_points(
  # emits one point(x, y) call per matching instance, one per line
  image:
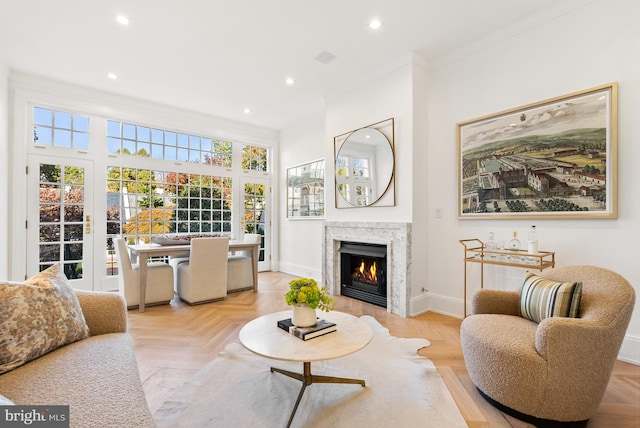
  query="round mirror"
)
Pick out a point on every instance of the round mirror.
point(364, 167)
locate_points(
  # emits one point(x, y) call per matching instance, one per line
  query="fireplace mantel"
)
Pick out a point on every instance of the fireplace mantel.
point(397, 238)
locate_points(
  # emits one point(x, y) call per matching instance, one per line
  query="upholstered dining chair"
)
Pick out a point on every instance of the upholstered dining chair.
point(240, 271)
point(542, 368)
point(159, 279)
point(204, 277)
point(175, 262)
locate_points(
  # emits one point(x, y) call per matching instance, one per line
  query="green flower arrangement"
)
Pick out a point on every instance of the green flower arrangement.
point(306, 290)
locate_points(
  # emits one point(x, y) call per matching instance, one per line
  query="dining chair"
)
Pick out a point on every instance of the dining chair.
point(175, 262)
point(203, 278)
point(159, 279)
point(240, 269)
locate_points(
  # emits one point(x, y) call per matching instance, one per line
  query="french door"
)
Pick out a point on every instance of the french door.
point(60, 217)
point(256, 215)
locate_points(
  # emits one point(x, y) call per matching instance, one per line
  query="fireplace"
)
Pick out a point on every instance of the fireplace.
point(363, 272)
point(397, 238)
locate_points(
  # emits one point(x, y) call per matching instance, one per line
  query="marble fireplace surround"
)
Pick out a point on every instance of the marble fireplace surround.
point(397, 238)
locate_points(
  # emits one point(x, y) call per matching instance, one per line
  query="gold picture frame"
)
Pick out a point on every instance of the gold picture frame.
point(555, 158)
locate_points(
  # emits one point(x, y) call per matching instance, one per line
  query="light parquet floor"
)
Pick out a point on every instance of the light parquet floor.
point(172, 342)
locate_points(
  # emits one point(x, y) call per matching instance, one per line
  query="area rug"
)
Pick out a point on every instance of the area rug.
point(237, 389)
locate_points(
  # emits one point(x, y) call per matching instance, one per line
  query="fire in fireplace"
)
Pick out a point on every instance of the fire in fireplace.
point(363, 269)
point(366, 273)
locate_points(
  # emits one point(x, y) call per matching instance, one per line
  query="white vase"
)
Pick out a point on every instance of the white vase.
point(303, 315)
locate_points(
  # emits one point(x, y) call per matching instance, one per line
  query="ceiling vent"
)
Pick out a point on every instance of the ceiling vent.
point(325, 57)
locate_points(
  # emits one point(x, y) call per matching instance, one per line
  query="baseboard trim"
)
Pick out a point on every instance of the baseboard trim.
point(299, 270)
point(419, 305)
point(630, 350)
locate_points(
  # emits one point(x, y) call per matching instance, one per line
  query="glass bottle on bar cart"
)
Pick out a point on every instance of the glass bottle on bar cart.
point(514, 244)
point(532, 244)
point(491, 245)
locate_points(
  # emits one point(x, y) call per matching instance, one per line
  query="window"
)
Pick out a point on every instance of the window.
point(142, 203)
point(60, 129)
point(163, 180)
point(141, 140)
point(352, 166)
point(353, 179)
point(145, 203)
point(62, 192)
point(253, 218)
point(360, 167)
point(255, 158)
point(203, 203)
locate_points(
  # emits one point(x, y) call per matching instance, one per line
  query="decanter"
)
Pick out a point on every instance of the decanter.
point(514, 244)
point(491, 245)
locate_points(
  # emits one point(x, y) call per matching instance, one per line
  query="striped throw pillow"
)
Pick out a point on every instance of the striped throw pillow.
point(541, 298)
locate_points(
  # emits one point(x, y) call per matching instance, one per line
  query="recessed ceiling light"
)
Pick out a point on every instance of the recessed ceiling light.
point(290, 81)
point(112, 76)
point(122, 20)
point(247, 111)
point(375, 24)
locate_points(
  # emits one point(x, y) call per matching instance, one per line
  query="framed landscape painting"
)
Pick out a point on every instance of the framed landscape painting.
point(552, 159)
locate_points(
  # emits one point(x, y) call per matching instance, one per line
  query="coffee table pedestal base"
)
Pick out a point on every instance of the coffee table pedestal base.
point(308, 379)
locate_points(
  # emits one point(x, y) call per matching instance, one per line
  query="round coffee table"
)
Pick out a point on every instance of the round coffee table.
point(262, 336)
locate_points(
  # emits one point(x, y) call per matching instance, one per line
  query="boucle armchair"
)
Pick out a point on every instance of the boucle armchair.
point(555, 372)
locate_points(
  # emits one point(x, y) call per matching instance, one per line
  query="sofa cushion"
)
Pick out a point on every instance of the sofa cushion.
point(97, 378)
point(38, 316)
point(541, 298)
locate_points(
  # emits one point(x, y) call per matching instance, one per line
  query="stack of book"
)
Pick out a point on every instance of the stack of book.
point(322, 327)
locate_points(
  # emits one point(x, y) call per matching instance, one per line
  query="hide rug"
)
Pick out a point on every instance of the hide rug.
point(237, 389)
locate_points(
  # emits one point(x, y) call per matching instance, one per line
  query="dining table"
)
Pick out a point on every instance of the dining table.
point(143, 252)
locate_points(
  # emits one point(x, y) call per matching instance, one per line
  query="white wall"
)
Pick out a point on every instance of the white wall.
point(301, 253)
point(594, 45)
point(388, 96)
point(420, 287)
point(4, 162)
